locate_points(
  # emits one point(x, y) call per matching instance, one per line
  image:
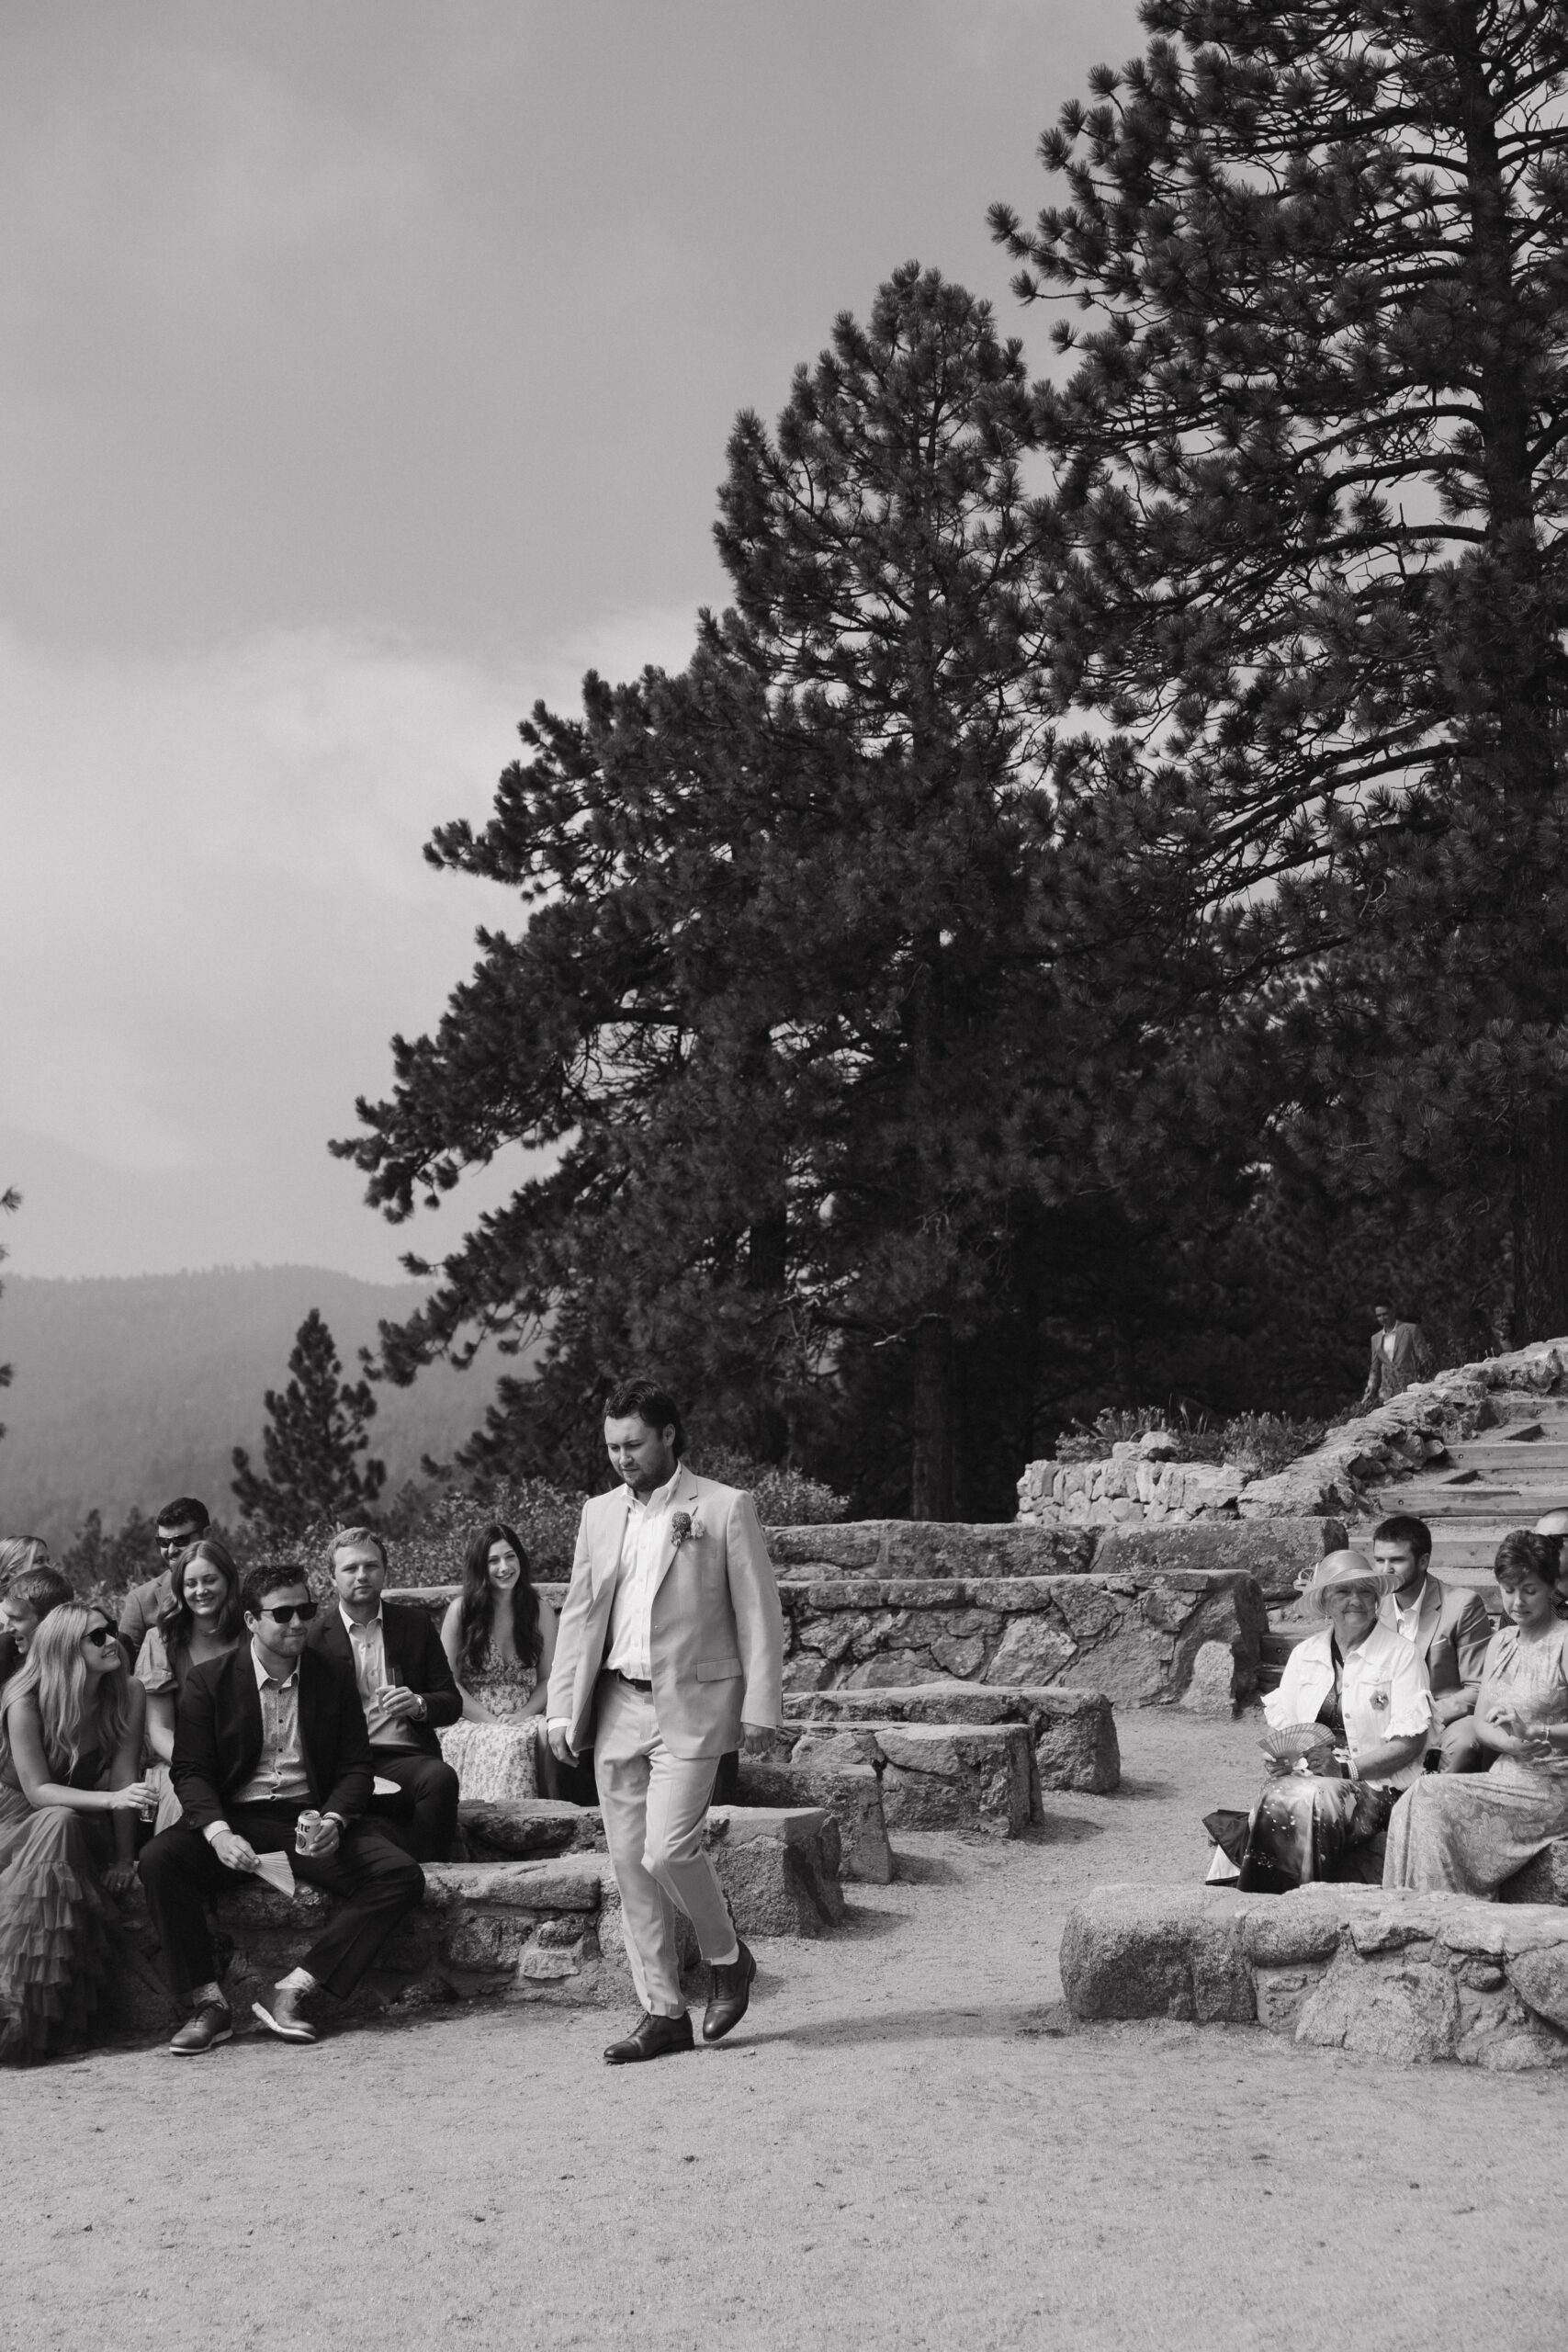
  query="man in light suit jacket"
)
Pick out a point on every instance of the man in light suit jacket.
point(1449, 1628)
point(671, 1639)
point(1400, 1356)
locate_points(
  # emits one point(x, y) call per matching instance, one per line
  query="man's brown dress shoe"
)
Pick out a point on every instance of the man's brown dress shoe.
point(654, 2038)
point(731, 1993)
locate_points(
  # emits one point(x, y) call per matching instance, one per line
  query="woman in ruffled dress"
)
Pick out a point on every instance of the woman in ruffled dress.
point(1354, 1708)
point(499, 1634)
point(71, 1732)
point(203, 1621)
point(1469, 1834)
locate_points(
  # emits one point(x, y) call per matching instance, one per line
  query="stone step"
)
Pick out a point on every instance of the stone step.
point(1074, 1731)
point(979, 1778)
point(850, 1794)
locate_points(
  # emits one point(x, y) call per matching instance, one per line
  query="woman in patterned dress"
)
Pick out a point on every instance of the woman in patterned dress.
point(499, 1634)
point(1469, 1833)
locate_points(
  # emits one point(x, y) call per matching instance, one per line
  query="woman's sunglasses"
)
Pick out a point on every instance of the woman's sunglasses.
point(303, 1610)
point(101, 1637)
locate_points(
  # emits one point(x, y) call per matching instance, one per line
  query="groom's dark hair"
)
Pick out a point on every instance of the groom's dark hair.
point(650, 1404)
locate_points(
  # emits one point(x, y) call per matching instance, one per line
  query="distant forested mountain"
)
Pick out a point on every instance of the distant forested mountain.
point(127, 1391)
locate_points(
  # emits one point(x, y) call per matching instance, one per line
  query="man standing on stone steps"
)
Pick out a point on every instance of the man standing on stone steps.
point(671, 1642)
point(1448, 1629)
point(1400, 1356)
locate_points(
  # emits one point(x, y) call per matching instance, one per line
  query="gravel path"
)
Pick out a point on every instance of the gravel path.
point(900, 2147)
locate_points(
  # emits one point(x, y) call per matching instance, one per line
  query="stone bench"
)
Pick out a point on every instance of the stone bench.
point(978, 1778)
point(545, 1928)
point(1412, 1978)
point(850, 1791)
point(1074, 1731)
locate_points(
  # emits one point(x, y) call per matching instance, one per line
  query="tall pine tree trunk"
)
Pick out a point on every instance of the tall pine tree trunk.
point(1522, 657)
point(1540, 1231)
point(931, 1466)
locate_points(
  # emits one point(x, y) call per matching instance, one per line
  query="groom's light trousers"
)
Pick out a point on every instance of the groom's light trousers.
point(654, 1806)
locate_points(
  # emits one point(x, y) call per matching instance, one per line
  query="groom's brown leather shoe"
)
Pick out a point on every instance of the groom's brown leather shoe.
point(731, 1993)
point(654, 2038)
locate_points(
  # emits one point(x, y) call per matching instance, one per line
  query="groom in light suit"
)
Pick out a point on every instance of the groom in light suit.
point(670, 1640)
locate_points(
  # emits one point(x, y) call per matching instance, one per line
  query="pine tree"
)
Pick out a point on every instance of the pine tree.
point(777, 1005)
point(1306, 553)
point(315, 1431)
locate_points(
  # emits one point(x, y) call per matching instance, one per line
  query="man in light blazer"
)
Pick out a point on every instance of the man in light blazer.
point(670, 1640)
point(1449, 1628)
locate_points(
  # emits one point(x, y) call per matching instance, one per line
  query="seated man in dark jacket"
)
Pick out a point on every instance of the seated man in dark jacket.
point(406, 1688)
point(271, 1756)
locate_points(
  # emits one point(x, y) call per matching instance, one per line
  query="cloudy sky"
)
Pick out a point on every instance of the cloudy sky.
point(366, 369)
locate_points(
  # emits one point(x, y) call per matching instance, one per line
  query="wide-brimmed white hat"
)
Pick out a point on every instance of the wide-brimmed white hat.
point(1337, 1569)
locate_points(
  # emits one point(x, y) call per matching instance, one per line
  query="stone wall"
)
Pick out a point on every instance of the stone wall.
point(1133, 1637)
point(1137, 1486)
point(1407, 1977)
point(1133, 1634)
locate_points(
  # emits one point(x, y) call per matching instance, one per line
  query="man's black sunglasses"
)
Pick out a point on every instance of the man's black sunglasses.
point(303, 1610)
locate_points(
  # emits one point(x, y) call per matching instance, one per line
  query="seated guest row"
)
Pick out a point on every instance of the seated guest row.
point(256, 1722)
point(1402, 1749)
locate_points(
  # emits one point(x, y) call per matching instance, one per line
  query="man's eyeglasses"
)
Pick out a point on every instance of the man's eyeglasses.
point(178, 1542)
point(303, 1610)
point(100, 1636)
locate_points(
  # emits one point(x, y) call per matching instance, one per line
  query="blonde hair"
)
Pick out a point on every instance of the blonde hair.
point(77, 1713)
point(20, 1553)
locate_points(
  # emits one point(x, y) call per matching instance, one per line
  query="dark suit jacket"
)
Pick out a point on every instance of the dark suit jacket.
point(414, 1647)
point(1451, 1634)
point(218, 1737)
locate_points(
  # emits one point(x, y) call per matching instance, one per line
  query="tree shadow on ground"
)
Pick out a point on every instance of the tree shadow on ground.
point(1008, 2021)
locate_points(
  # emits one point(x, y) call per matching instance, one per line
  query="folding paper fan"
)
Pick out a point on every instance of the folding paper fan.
point(1291, 1741)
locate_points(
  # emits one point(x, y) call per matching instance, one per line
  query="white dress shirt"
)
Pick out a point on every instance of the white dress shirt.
point(1383, 1695)
point(630, 1649)
point(368, 1645)
point(280, 1777)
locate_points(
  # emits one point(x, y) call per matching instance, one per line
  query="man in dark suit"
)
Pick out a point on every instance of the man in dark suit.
point(405, 1688)
point(271, 1756)
point(1449, 1629)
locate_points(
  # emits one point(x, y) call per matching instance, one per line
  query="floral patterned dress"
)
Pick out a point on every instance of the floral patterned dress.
point(1469, 1832)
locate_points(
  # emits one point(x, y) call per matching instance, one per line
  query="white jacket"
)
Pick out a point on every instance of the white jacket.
point(1383, 1696)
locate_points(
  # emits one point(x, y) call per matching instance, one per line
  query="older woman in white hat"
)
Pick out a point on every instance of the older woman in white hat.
point(1347, 1733)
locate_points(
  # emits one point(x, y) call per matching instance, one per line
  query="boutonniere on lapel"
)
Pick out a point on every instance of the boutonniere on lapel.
point(682, 1527)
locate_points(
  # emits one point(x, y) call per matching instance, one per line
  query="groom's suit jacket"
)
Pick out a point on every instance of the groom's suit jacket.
point(717, 1629)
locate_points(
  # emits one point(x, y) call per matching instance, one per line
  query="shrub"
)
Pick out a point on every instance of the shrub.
point(785, 1498)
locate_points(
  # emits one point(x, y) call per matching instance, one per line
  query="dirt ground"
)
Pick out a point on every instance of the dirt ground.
point(901, 2146)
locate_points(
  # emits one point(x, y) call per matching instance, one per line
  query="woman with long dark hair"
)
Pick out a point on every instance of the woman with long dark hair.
point(71, 1735)
point(499, 1634)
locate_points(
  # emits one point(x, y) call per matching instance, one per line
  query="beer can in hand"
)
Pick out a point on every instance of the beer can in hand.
point(305, 1831)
